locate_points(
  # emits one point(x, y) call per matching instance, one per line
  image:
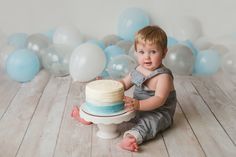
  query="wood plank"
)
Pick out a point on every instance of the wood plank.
point(45, 124)
point(209, 132)
point(8, 90)
point(226, 83)
point(107, 147)
point(33, 124)
point(220, 105)
point(15, 121)
point(100, 147)
point(74, 138)
point(180, 138)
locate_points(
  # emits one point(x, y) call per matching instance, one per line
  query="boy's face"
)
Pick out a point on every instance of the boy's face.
point(149, 55)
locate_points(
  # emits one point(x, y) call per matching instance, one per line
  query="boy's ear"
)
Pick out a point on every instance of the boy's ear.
point(164, 53)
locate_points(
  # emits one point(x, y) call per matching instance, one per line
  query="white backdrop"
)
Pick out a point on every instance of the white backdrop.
point(98, 18)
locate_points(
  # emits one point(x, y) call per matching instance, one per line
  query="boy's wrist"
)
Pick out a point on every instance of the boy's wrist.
point(136, 105)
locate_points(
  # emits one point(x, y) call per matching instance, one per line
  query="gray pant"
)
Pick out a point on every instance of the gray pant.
point(150, 123)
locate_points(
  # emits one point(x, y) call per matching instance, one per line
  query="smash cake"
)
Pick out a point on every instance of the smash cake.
point(104, 97)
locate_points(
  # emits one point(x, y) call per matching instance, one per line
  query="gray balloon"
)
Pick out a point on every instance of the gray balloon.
point(56, 59)
point(180, 59)
point(37, 42)
point(111, 39)
point(125, 45)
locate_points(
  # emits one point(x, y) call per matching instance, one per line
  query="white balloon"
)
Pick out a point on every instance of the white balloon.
point(67, 35)
point(186, 28)
point(87, 61)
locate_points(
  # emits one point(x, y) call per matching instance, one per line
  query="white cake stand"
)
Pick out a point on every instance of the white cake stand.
point(107, 125)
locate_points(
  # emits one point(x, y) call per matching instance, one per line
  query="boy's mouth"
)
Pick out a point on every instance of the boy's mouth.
point(148, 63)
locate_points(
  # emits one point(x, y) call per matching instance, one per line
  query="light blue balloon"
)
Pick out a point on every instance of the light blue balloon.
point(18, 40)
point(190, 45)
point(113, 51)
point(97, 42)
point(105, 74)
point(171, 41)
point(130, 21)
point(207, 62)
point(22, 65)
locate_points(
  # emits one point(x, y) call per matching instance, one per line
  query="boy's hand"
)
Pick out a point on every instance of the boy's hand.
point(131, 102)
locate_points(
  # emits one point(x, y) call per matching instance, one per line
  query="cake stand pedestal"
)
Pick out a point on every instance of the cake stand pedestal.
point(107, 125)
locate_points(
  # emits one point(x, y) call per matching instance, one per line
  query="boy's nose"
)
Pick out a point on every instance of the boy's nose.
point(147, 55)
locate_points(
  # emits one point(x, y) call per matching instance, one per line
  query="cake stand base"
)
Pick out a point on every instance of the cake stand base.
point(107, 125)
point(107, 131)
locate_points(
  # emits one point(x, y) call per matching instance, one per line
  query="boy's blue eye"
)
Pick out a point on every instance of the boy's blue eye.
point(141, 52)
point(153, 52)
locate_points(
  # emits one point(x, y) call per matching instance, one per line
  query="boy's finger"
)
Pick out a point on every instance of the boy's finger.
point(129, 108)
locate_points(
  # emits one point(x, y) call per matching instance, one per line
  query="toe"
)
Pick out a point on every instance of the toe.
point(75, 111)
point(85, 122)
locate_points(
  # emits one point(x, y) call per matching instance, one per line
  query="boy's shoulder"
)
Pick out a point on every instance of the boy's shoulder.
point(163, 76)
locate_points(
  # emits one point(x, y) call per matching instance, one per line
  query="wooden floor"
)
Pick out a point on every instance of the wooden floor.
point(35, 121)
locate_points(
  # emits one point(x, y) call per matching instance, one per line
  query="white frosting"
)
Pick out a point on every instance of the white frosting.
point(104, 91)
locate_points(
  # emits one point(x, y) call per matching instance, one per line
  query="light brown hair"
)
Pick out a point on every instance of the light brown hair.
point(154, 35)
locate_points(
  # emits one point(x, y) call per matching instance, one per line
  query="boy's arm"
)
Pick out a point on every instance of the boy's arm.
point(163, 88)
point(126, 81)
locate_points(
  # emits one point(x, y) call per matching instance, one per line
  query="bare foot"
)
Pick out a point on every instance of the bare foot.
point(76, 115)
point(129, 143)
point(99, 78)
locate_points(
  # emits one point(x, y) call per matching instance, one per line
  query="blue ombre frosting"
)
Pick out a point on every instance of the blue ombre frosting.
point(101, 109)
